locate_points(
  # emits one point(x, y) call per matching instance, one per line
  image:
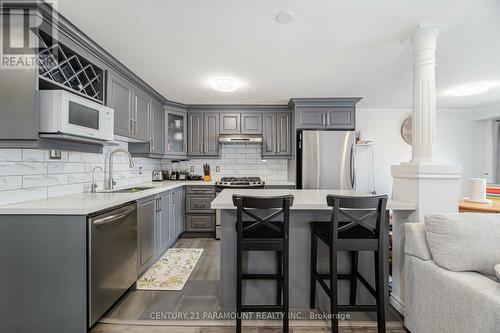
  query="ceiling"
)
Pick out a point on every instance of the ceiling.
point(333, 48)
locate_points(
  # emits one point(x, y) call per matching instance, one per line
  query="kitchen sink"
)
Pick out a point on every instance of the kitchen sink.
point(132, 189)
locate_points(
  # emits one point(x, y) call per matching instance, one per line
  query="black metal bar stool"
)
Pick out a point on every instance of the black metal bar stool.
point(255, 233)
point(350, 230)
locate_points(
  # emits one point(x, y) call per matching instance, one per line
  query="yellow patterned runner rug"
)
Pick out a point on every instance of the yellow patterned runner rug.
point(171, 271)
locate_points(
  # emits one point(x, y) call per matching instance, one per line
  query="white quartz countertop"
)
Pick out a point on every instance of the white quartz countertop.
point(303, 199)
point(87, 203)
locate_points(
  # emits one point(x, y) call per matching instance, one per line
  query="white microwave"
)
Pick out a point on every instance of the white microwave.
point(62, 112)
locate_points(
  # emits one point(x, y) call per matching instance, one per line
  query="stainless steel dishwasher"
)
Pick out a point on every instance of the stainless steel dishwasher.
point(112, 258)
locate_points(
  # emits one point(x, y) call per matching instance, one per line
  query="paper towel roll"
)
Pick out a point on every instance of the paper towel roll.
point(478, 189)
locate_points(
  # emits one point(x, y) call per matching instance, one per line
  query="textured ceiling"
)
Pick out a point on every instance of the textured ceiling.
point(333, 48)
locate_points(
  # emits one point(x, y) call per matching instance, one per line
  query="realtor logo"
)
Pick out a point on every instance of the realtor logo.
point(20, 23)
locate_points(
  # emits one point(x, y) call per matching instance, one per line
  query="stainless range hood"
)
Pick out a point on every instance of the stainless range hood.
point(240, 138)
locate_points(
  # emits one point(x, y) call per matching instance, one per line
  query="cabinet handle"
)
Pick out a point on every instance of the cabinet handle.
point(131, 126)
point(327, 119)
point(152, 143)
point(206, 147)
point(201, 147)
point(159, 204)
point(134, 126)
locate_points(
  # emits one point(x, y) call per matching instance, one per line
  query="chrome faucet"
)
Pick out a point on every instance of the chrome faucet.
point(93, 186)
point(111, 182)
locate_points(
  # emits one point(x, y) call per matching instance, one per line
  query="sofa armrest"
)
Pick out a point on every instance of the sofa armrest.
point(416, 241)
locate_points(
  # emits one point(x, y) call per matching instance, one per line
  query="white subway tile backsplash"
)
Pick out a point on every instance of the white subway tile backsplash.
point(8, 197)
point(22, 168)
point(55, 191)
point(10, 155)
point(11, 183)
point(240, 160)
point(35, 155)
point(44, 180)
point(66, 167)
point(29, 174)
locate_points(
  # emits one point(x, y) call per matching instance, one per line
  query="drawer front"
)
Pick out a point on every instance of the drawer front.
point(199, 203)
point(200, 222)
point(200, 189)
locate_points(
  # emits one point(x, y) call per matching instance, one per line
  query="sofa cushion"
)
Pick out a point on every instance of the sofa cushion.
point(415, 241)
point(464, 241)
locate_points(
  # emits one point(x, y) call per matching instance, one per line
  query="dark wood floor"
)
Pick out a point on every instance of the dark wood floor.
point(132, 313)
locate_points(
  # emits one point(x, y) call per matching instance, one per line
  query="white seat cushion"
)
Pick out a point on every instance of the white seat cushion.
point(464, 241)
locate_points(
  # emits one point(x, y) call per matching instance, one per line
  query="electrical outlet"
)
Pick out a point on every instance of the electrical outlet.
point(191, 168)
point(217, 168)
point(54, 154)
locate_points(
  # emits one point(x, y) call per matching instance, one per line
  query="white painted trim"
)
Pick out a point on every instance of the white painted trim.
point(397, 304)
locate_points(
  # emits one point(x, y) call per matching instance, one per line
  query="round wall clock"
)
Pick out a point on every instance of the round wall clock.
point(406, 130)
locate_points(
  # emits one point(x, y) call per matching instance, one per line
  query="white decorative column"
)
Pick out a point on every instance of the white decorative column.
point(433, 187)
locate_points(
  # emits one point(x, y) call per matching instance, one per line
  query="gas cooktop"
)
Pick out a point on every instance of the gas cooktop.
point(241, 182)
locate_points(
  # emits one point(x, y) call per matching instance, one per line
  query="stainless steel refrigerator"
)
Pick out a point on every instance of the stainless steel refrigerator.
point(326, 160)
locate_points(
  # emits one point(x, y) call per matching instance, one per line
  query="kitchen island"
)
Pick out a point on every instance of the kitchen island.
point(309, 205)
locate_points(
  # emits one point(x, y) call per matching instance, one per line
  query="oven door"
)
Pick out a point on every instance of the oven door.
point(85, 118)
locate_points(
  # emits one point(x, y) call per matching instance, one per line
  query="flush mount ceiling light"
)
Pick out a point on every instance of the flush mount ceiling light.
point(285, 16)
point(471, 89)
point(224, 85)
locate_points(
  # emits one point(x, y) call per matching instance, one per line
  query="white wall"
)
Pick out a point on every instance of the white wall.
point(459, 142)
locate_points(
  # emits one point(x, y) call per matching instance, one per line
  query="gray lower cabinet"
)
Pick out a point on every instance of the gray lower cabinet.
point(147, 210)
point(276, 134)
point(200, 223)
point(199, 217)
point(164, 234)
point(203, 134)
point(177, 212)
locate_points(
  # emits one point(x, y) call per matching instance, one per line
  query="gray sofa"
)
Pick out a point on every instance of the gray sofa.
point(450, 266)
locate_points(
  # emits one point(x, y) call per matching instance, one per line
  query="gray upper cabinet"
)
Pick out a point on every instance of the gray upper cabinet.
point(195, 134)
point(240, 123)
point(311, 117)
point(251, 123)
point(203, 134)
point(276, 134)
point(119, 98)
point(325, 113)
point(175, 133)
point(269, 134)
point(283, 134)
point(230, 123)
point(157, 128)
point(211, 134)
point(141, 114)
point(339, 118)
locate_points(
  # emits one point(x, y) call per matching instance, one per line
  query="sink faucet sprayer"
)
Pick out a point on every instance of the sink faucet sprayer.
point(111, 182)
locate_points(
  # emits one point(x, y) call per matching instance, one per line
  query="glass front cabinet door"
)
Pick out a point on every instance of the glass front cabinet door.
point(176, 138)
